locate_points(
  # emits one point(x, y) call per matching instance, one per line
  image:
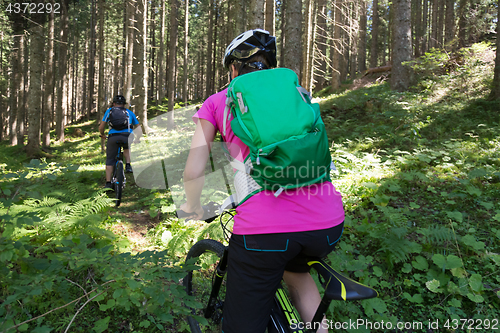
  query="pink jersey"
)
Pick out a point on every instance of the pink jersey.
point(314, 207)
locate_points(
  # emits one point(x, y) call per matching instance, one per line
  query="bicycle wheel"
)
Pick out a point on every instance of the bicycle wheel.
point(198, 283)
point(120, 177)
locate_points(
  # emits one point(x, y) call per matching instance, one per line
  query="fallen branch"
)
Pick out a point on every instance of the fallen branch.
point(77, 312)
point(377, 70)
point(63, 306)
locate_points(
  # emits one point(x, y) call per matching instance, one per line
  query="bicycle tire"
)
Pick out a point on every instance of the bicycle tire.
point(198, 283)
point(120, 177)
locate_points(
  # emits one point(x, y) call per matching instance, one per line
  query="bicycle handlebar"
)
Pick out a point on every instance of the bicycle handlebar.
point(211, 211)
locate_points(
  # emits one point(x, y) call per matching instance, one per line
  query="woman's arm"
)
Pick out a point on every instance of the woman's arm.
point(195, 166)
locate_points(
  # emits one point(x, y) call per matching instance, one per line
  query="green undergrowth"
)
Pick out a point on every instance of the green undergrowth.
point(63, 271)
point(420, 177)
point(420, 180)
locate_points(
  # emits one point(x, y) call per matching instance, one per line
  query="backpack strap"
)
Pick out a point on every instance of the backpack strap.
point(230, 202)
point(227, 114)
point(303, 92)
point(240, 166)
point(129, 120)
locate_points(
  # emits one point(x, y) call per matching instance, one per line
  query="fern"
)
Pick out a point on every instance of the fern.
point(45, 202)
point(182, 240)
point(62, 218)
point(396, 249)
point(436, 234)
point(394, 217)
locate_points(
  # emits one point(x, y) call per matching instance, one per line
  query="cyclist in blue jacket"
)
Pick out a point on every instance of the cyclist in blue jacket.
point(122, 122)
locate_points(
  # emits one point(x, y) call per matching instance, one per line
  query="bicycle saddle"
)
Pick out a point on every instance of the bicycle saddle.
point(339, 287)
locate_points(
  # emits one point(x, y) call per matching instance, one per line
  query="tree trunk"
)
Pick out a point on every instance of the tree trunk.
point(21, 124)
point(390, 32)
point(209, 75)
point(313, 53)
point(321, 40)
point(186, 51)
point(240, 17)
point(337, 45)
point(462, 22)
point(62, 75)
point(101, 85)
point(16, 82)
point(401, 74)
point(151, 67)
point(139, 66)
point(231, 20)
point(354, 37)
point(495, 89)
point(117, 73)
point(362, 36)
point(291, 53)
point(307, 38)
point(161, 63)
point(425, 28)
point(74, 68)
point(417, 27)
point(84, 91)
point(215, 74)
point(270, 16)
point(127, 85)
point(171, 61)
point(49, 85)
point(91, 63)
point(256, 11)
point(375, 32)
point(449, 33)
point(35, 94)
point(283, 37)
point(440, 43)
point(346, 41)
point(3, 91)
point(434, 35)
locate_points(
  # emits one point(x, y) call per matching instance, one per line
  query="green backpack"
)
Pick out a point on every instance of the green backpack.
point(273, 115)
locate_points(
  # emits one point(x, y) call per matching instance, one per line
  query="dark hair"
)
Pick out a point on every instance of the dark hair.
point(243, 68)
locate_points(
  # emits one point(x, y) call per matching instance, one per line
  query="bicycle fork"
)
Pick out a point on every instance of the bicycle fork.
point(219, 276)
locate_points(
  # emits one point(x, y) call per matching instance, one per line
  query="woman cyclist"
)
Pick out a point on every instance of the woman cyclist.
point(273, 237)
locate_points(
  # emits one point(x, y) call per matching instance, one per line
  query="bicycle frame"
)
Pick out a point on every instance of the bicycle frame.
point(284, 318)
point(117, 179)
point(118, 158)
point(281, 300)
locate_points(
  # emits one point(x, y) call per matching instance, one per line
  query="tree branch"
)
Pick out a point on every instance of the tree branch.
point(63, 306)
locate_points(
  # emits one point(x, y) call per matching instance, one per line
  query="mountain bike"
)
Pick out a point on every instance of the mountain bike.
point(207, 285)
point(118, 179)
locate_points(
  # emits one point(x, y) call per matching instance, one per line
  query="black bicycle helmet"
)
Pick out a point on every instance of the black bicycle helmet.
point(119, 99)
point(250, 43)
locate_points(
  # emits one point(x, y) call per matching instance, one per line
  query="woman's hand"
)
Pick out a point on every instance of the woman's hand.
point(196, 213)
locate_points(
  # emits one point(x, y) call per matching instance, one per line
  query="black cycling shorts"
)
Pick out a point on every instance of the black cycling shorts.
point(255, 269)
point(112, 146)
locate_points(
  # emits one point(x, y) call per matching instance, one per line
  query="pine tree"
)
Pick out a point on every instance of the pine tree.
point(495, 89)
point(400, 73)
